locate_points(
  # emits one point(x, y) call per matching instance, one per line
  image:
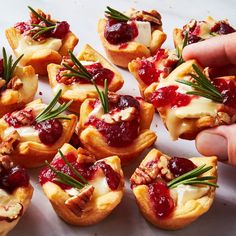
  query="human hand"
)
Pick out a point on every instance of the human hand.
point(219, 53)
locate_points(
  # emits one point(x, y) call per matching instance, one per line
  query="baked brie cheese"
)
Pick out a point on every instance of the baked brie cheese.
point(38, 134)
point(172, 192)
point(131, 35)
point(79, 88)
point(187, 106)
point(15, 193)
point(88, 191)
point(123, 130)
point(41, 39)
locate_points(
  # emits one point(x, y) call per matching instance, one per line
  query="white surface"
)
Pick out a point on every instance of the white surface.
point(83, 15)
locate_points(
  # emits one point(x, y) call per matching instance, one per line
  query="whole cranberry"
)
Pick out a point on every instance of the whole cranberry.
point(62, 28)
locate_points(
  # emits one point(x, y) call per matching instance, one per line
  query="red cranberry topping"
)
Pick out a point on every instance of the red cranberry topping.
point(161, 200)
point(168, 96)
point(74, 141)
point(87, 170)
point(49, 131)
point(179, 166)
point(10, 179)
point(193, 38)
point(23, 27)
point(222, 28)
point(62, 28)
point(120, 32)
point(126, 101)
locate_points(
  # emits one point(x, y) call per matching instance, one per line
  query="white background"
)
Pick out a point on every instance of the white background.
point(40, 219)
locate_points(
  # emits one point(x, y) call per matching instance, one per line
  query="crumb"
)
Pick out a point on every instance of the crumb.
point(40, 93)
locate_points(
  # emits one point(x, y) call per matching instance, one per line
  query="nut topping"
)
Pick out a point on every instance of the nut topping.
point(7, 145)
point(24, 117)
point(2, 82)
point(15, 83)
point(85, 156)
point(10, 210)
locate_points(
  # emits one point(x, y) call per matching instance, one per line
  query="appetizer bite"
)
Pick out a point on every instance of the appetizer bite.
point(82, 191)
point(76, 76)
point(41, 130)
point(18, 85)
point(41, 39)
point(197, 31)
point(15, 192)
point(172, 192)
point(153, 69)
point(128, 36)
point(116, 125)
point(188, 101)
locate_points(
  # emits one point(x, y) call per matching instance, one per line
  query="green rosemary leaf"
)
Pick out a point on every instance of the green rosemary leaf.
point(42, 31)
point(114, 14)
point(179, 53)
point(15, 64)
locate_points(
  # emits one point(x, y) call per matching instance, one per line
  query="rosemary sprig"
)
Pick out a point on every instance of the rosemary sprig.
point(203, 86)
point(114, 14)
point(179, 53)
point(49, 112)
point(8, 66)
point(192, 177)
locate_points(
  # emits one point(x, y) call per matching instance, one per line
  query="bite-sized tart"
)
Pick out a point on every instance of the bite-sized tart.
point(41, 39)
point(75, 86)
point(133, 34)
point(15, 193)
point(172, 192)
point(39, 130)
point(18, 85)
point(121, 128)
point(188, 101)
point(201, 30)
point(82, 191)
point(153, 69)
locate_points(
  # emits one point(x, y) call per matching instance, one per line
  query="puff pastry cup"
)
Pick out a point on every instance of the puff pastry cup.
point(201, 30)
point(35, 141)
point(19, 90)
point(185, 115)
point(40, 49)
point(123, 131)
point(95, 200)
point(153, 69)
point(140, 36)
point(172, 208)
point(15, 194)
point(78, 89)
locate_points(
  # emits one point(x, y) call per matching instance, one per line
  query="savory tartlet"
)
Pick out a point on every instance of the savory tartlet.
point(18, 85)
point(188, 101)
point(172, 192)
point(153, 69)
point(201, 30)
point(76, 87)
point(15, 193)
point(123, 129)
point(128, 36)
point(41, 39)
point(40, 130)
point(82, 191)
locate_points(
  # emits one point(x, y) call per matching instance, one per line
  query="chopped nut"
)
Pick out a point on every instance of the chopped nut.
point(113, 97)
point(77, 203)
point(25, 116)
point(84, 156)
point(15, 83)
point(7, 145)
point(11, 210)
point(222, 118)
point(5, 162)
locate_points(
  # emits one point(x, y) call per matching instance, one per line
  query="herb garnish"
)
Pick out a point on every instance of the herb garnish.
point(192, 177)
point(114, 14)
point(203, 86)
point(179, 52)
point(50, 113)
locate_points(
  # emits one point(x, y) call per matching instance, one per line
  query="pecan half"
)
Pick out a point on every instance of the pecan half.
point(7, 145)
point(15, 83)
point(152, 16)
point(24, 117)
point(84, 156)
point(5, 162)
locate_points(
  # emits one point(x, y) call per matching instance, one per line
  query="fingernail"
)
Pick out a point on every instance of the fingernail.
point(209, 144)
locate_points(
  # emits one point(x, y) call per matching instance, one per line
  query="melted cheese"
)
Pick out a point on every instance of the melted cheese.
point(184, 193)
point(97, 112)
point(144, 33)
point(100, 185)
point(28, 46)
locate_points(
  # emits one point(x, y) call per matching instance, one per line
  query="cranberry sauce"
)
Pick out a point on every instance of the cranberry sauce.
point(222, 28)
point(12, 178)
point(98, 72)
point(117, 32)
point(87, 170)
point(168, 96)
point(122, 133)
point(161, 200)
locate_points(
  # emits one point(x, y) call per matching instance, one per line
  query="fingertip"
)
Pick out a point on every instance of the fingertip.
point(188, 52)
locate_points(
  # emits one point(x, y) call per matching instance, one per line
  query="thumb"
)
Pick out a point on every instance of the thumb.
point(218, 141)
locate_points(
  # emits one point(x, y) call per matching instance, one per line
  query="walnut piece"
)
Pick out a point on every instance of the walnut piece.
point(24, 117)
point(222, 118)
point(84, 156)
point(7, 145)
point(5, 162)
point(15, 83)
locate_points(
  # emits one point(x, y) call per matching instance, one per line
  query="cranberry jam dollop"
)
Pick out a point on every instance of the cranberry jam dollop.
point(119, 32)
point(123, 133)
point(87, 170)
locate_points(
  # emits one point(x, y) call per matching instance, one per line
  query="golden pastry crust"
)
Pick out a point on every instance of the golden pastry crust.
point(182, 215)
point(31, 154)
point(70, 93)
point(39, 59)
point(94, 141)
point(192, 124)
point(12, 99)
point(122, 56)
point(98, 207)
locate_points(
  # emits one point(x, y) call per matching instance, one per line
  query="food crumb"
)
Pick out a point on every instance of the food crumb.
point(40, 93)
